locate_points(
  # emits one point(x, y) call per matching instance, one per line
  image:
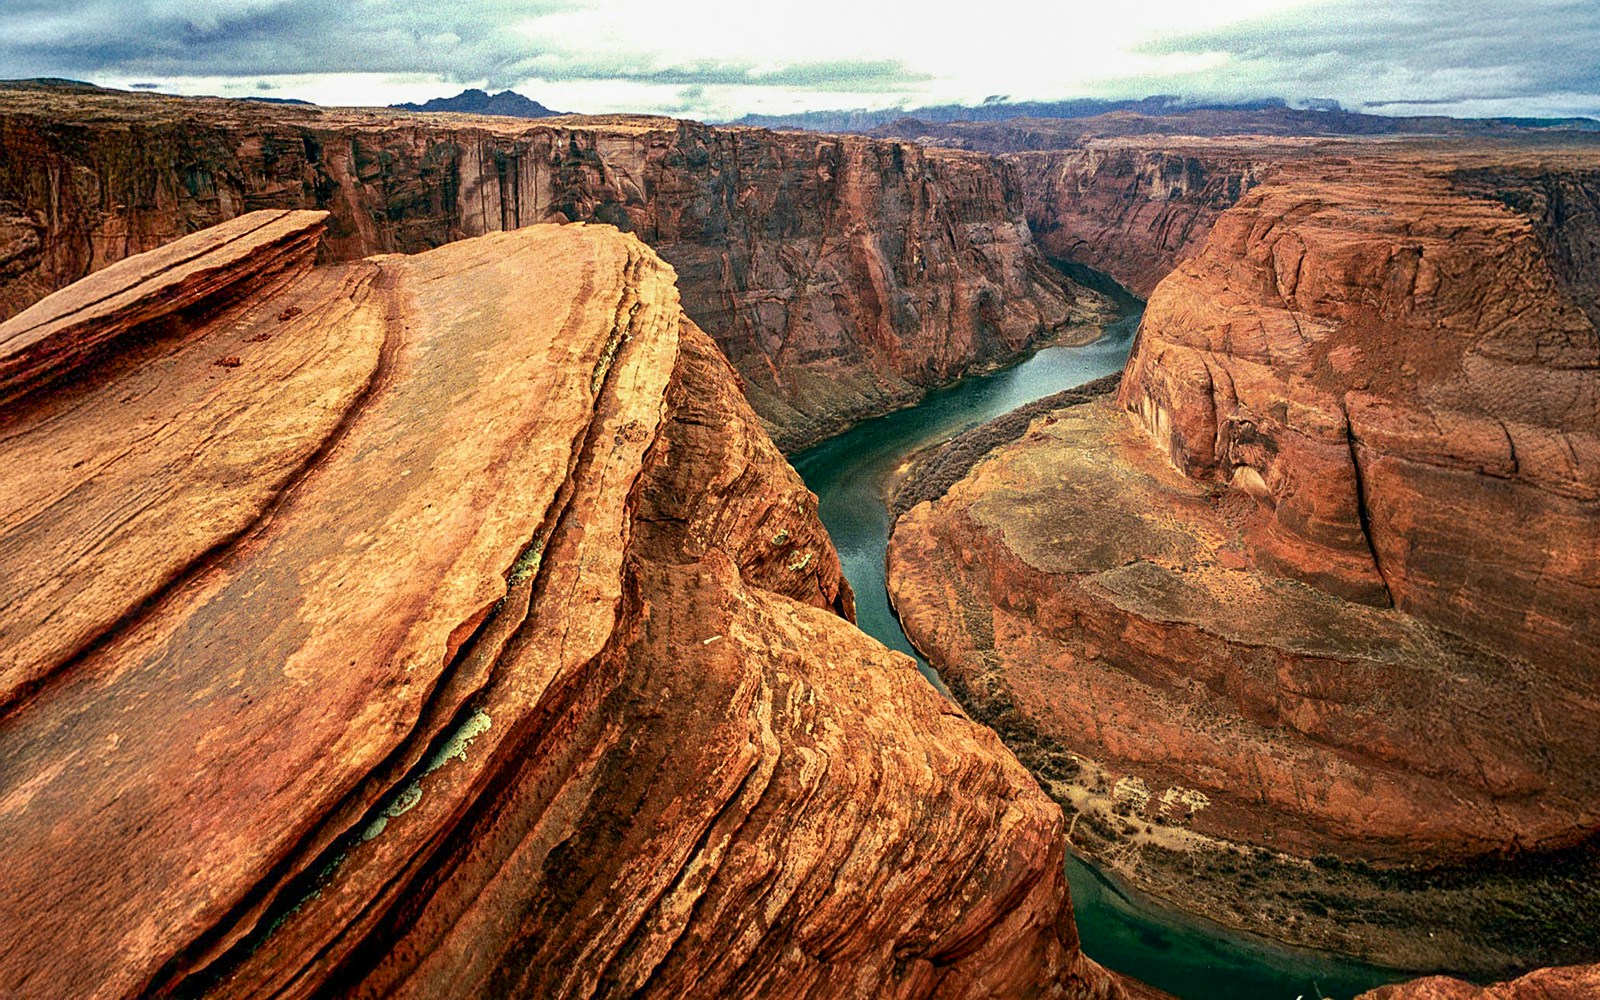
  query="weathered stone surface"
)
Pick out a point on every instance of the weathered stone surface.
point(58, 335)
point(1112, 587)
point(842, 275)
point(487, 647)
point(1395, 368)
point(1325, 580)
point(1134, 208)
point(172, 455)
point(1578, 982)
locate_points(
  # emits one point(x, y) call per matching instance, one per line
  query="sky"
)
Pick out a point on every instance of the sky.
point(715, 59)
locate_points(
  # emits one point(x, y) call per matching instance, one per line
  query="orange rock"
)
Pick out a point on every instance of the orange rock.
point(1133, 211)
point(1576, 982)
point(1403, 373)
point(470, 638)
point(1331, 561)
point(842, 275)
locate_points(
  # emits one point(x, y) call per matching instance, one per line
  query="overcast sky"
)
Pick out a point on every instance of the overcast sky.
point(715, 59)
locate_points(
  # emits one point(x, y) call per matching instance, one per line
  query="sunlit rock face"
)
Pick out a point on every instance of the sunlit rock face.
point(447, 625)
point(1403, 369)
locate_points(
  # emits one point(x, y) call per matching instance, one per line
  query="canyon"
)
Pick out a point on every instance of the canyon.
point(1298, 621)
point(410, 595)
point(842, 275)
point(606, 731)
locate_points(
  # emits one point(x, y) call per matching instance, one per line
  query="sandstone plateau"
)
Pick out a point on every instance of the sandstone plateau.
point(447, 625)
point(1303, 623)
point(841, 275)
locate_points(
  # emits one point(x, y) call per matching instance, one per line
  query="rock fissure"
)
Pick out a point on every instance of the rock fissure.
point(502, 635)
point(1363, 514)
point(1350, 609)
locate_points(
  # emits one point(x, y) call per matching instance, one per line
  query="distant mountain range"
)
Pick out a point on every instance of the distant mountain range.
point(1016, 135)
point(995, 110)
point(1301, 118)
point(478, 102)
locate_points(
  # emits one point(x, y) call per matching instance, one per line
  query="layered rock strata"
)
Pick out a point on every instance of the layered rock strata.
point(842, 275)
point(1405, 375)
point(446, 624)
point(1133, 208)
point(1322, 581)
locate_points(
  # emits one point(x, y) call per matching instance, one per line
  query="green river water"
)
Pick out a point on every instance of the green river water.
point(1121, 929)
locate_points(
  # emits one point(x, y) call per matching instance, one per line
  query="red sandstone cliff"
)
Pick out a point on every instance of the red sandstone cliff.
point(1325, 579)
point(1134, 208)
point(1404, 371)
point(841, 275)
point(447, 625)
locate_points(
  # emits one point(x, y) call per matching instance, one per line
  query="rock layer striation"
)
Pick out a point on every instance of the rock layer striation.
point(843, 276)
point(1321, 581)
point(447, 624)
point(1134, 208)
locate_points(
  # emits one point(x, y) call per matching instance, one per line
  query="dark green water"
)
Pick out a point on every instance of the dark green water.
point(1187, 956)
point(848, 473)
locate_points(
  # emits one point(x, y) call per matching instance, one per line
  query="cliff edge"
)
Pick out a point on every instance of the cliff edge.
point(1301, 624)
point(843, 276)
point(447, 624)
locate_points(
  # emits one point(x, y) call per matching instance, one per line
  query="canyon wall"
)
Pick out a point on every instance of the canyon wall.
point(841, 275)
point(447, 624)
point(1405, 374)
point(1323, 580)
point(1133, 208)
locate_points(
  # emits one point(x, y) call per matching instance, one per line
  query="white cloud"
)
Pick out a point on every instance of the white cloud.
point(717, 58)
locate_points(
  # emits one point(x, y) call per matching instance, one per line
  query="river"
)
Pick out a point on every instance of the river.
point(1188, 956)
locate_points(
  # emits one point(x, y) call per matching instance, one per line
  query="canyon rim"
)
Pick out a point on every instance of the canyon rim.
point(408, 592)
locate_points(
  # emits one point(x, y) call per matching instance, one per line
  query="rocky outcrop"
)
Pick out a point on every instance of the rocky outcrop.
point(1134, 208)
point(446, 624)
point(1568, 983)
point(1322, 583)
point(1400, 373)
point(842, 275)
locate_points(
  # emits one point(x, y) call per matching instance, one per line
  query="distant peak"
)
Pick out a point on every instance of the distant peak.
point(478, 102)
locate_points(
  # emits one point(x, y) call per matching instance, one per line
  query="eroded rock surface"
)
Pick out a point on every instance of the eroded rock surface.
point(1567, 983)
point(843, 276)
point(1405, 374)
point(1321, 582)
point(447, 625)
point(1135, 208)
